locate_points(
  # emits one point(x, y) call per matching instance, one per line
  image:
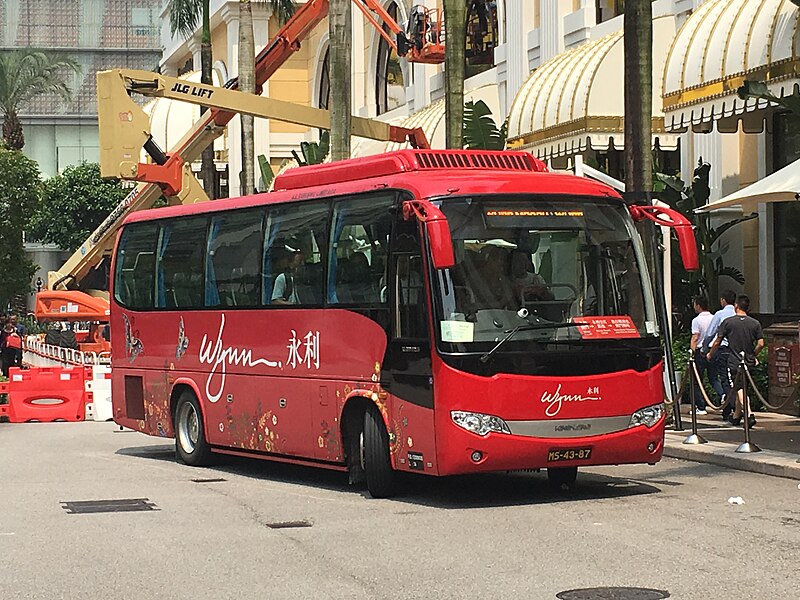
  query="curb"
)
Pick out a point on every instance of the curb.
point(766, 462)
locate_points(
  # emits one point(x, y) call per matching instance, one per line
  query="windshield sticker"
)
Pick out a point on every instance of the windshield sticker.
point(611, 327)
point(650, 327)
point(457, 331)
point(555, 400)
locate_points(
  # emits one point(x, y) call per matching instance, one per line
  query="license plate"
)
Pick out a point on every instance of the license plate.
point(559, 454)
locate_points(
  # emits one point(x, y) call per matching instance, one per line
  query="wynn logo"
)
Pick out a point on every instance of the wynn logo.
point(555, 400)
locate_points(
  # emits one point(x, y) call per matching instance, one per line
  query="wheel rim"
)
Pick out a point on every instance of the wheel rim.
point(361, 451)
point(188, 427)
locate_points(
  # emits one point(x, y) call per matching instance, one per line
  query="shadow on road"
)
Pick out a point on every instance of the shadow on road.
point(455, 492)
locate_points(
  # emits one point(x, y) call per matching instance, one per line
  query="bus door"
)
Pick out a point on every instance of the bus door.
point(407, 372)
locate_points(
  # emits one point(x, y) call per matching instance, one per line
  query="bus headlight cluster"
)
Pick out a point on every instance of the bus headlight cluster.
point(648, 416)
point(479, 423)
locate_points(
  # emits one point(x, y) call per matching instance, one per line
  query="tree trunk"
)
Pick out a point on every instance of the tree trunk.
point(340, 29)
point(208, 170)
point(12, 131)
point(455, 15)
point(638, 96)
point(247, 76)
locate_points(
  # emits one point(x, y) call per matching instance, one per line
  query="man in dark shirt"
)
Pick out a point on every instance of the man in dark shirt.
point(744, 336)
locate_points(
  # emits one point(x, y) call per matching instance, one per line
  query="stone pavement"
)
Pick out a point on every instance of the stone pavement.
point(777, 435)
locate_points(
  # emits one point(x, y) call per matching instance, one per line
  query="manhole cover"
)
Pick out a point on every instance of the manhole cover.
point(210, 480)
point(106, 506)
point(613, 593)
point(288, 524)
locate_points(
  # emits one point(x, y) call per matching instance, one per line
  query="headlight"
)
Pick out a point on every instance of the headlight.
point(479, 423)
point(647, 416)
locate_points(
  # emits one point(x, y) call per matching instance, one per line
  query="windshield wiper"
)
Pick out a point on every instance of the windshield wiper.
point(511, 333)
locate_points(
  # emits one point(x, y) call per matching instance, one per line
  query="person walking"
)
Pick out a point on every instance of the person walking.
point(11, 348)
point(717, 365)
point(699, 327)
point(745, 339)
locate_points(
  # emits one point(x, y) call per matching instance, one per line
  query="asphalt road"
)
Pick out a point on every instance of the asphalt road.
point(668, 527)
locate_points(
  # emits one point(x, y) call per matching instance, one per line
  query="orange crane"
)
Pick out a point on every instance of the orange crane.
point(124, 127)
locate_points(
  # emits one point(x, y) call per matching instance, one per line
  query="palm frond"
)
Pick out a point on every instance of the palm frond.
point(30, 72)
point(284, 9)
point(184, 16)
point(480, 130)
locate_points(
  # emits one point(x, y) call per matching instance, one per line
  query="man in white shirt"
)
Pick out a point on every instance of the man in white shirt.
point(699, 327)
point(718, 365)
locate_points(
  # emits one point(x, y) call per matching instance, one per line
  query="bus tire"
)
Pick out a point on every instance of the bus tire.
point(191, 447)
point(377, 462)
point(562, 478)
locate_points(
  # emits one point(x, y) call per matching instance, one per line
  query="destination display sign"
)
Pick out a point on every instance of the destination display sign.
point(551, 218)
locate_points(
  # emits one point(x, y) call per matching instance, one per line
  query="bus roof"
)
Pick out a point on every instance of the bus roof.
point(457, 173)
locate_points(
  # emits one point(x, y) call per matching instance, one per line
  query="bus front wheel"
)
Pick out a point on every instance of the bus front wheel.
point(375, 455)
point(191, 447)
point(563, 478)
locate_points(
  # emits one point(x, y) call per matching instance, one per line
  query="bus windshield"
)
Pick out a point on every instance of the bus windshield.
point(559, 269)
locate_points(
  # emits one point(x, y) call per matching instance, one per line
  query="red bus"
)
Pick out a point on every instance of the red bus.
point(437, 312)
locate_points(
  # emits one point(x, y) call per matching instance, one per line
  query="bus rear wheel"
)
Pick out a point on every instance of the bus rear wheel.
point(375, 455)
point(191, 447)
point(562, 478)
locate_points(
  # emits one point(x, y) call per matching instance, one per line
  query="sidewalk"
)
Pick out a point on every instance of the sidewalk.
point(777, 435)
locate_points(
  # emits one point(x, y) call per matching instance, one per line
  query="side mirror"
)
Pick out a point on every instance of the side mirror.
point(437, 229)
point(441, 244)
point(667, 217)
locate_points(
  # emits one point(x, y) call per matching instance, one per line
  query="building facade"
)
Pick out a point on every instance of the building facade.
point(98, 35)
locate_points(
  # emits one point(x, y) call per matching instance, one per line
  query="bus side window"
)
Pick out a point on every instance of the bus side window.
point(359, 246)
point(409, 290)
point(295, 245)
point(179, 263)
point(133, 287)
point(233, 270)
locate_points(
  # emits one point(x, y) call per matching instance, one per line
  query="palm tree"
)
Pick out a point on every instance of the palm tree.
point(340, 33)
point(455, 18)
point(183, 19)
point(638, 36)
point(247, 69)
point(25, 74)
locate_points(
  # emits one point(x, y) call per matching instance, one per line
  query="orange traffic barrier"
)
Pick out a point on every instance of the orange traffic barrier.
point(46, 394)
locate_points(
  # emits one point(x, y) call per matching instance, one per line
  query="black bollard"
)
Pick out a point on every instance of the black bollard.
point(747, 446)
point(694, 438)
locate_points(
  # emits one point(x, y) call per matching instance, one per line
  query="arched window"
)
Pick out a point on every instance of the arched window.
point(482, 37)
point(324, 98)
point(390, 89)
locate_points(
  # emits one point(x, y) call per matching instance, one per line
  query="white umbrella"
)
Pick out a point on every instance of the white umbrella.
point(782, 186)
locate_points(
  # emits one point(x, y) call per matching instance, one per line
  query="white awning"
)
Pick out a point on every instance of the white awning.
point(722, 44)
point(576, 100)
point(782, 186)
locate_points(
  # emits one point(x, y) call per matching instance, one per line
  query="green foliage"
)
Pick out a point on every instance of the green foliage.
point(314, 153)
point(686, 199)
point(267, 174)
point(25, 74)
point(20, 184)
point(480, 130)
point(73, 205)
